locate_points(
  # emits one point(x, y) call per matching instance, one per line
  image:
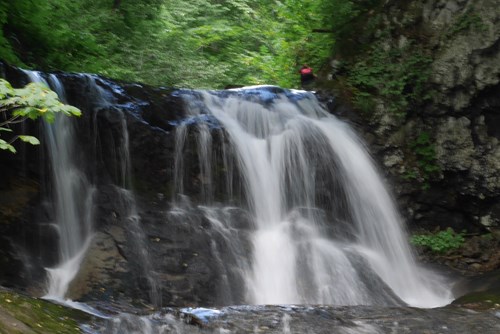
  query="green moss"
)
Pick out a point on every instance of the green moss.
point(486, 296)
point(22, 314)
point(425, 153)
point(480, 300)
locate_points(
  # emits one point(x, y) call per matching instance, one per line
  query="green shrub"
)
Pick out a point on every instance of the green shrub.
point(439, 242)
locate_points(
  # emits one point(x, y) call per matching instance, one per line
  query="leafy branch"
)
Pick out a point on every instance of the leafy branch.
point(33, 101)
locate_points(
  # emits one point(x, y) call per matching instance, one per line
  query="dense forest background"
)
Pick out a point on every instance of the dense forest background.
point(180, 43)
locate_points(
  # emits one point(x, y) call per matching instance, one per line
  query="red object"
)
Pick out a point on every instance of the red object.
point(306, 70)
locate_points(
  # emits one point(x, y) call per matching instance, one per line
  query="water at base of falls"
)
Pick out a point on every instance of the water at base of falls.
point(291, 319)
point(325, 229)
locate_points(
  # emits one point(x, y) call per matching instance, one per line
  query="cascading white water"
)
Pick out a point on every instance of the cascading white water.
point(303, 172)
point(72, 197)
point(73, 194)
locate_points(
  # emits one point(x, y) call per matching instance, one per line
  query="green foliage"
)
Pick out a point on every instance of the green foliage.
point(425, 152)
point(468, 20)
point(31, 102)
point(397, 76)
point(187, 43)
point(6, 51)
point(364, 102)
point(439, 242)
point(288, 41)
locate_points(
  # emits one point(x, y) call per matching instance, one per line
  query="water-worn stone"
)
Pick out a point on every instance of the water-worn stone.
point(294, 319)
point(104, 270)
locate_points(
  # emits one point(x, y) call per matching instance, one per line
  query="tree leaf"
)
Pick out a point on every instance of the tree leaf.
point(29, 139)
point(6, 146)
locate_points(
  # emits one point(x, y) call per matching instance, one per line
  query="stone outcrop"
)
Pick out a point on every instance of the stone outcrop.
point(458, 113)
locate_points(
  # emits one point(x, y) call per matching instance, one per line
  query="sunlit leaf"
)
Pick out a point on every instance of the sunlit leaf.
point(6, 146)
point(29, 139)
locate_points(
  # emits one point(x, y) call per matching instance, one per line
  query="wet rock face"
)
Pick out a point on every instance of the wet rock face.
point(318, 319)
point(462, 39)
point(140, 252)
point(466, 73)
point(454, 146)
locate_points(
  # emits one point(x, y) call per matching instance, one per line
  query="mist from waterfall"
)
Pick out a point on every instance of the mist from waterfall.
point(325, 228)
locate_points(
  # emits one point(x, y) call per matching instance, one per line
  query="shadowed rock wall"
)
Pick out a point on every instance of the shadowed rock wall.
point(156, 258)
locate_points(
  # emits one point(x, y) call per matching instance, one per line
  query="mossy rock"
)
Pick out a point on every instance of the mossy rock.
point(483, 292)
point(480, 300)
point(23, 314)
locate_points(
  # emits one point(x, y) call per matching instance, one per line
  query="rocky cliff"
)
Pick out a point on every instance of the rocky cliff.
point(424, 80)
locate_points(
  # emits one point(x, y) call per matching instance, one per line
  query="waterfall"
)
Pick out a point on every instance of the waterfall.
point(325, 228)
point(291, 203)
point(72, 196)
